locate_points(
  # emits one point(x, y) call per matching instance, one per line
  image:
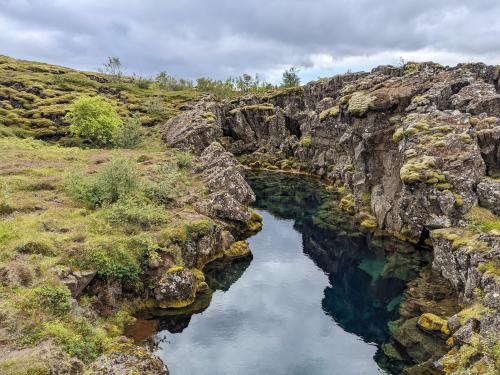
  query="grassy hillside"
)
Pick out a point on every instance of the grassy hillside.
point(65, 208)
point(34, 97)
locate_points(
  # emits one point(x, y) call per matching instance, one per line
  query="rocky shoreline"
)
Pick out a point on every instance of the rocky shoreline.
point(414, 150)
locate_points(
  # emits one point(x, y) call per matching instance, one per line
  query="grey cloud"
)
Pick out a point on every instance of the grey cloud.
point(225, 37)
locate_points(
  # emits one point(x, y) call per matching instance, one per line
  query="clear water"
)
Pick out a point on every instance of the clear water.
point(315, 299)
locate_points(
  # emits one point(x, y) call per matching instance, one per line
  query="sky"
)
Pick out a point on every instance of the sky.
point(221, 38)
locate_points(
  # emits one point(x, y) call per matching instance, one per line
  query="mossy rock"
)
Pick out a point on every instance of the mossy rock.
point(360, 103)
point(432, 323)
point(330, 112)
point(239, 249)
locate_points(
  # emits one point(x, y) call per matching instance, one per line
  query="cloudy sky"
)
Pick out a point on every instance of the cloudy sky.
point(219, 38)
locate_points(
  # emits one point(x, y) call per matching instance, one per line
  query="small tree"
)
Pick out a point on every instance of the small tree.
point(93, 118)
point(291, 77)
point(113, 67)
point(130, 134)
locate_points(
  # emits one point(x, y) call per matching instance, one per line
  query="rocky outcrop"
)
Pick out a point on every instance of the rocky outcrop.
point(128, 359)
point(230, 194)
point(417, 139)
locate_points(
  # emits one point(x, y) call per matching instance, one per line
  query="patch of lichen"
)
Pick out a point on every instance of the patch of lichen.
point(305, 142)
point(239, 249)
point(254, 224)
point(360, 103)
point(461, 238)
point(330, 112)
point(433, 323)
point(347, 204)
point(253, 107)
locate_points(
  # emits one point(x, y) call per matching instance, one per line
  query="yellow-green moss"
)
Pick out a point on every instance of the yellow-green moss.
point(238, 249)
point(431, 322)
point(305, 142)
point(398, 134)
point(347, 203)
point(415, 170)
point(330, 112)
point(360, 103)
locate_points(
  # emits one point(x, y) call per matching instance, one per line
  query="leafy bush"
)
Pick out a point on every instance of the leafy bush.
point(53, 299)
point(184, 160)
point(165, 190)
point(134, 211)
point(113, 261)
point(118, 178)
point(155, 106)
point(79, 338)
point(93, 118)
point(169, 83)
point(130, 134)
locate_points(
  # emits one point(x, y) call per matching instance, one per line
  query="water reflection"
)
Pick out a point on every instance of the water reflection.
point(316, 299)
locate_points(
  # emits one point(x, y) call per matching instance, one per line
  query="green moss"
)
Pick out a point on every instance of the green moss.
point(415, 170)
point(398, 134)
point(237, 250)
point(209, 116)
point(411, 68)
point(473, 121)
point(360, 103)
point(482, 220)
point(347, 203)
point(491, 120)
point(253, 107)
point(175, 269)
point(305, 142)
point(330, 112)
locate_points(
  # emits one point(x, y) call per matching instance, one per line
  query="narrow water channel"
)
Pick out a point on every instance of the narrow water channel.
point(315, 299)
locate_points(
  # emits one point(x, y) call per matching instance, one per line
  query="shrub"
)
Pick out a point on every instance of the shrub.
point(113, 261)
point(291, 77)
point(165, 190)
point(35, 247)
point(130, 134)
point(53, 299)
point(79, 338)
point(93, 118)
point(118, 178)
point(133, 211)
point(155, 106)
point(184, 160)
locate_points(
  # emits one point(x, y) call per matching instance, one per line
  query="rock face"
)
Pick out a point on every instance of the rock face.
point(128, 359)
point(418, 146)
point(416, 140)
point(230, 194)
point(177, 288)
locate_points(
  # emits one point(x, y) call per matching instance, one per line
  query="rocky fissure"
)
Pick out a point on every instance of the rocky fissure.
point(416, 148)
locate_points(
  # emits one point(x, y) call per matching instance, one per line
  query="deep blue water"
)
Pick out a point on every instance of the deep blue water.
point(315, 299)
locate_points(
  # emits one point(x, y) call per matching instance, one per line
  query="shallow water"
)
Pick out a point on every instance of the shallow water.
point(315, 299)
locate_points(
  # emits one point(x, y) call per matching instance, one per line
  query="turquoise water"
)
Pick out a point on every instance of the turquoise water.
point(315, 299)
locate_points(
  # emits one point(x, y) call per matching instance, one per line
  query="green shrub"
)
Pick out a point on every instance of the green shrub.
point(155, 106)
point(184, 160)
point(35, 247)
point(112, 260)
point(130, 134)
point(118, 178)
point(164, 190)
point(53, 299)
point(93, 118)
point(134, 211)
point(79, 338)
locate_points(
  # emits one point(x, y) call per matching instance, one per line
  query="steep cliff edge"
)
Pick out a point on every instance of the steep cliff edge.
point(415, 151)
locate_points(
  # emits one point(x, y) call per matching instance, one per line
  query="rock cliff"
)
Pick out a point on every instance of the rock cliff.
point(414, 148)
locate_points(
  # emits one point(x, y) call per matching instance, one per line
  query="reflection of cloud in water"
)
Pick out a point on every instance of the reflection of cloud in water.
point(270, 322)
